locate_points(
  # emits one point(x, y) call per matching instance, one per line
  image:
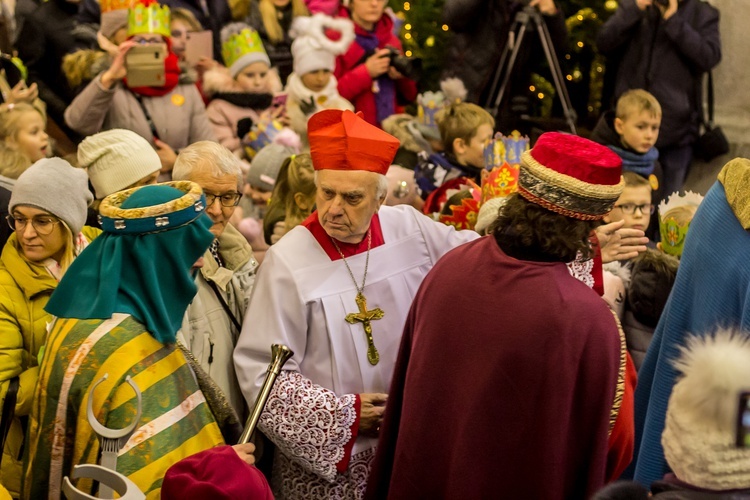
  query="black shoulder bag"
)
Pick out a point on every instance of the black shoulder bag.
point(712, 142)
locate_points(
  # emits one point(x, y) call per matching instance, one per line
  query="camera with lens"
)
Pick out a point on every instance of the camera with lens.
point(410, 67)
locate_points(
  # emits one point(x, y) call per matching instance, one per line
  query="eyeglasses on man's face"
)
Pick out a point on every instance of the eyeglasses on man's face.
point(42, 224)
point(630, 208)
point(226, 199)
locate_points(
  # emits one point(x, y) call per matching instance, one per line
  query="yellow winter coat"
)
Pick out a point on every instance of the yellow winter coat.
point(25, 288)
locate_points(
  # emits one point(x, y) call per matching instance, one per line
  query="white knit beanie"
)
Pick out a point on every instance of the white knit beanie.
point(54, 185)
point(312, 50)
point(699, 431)
point(116, 159)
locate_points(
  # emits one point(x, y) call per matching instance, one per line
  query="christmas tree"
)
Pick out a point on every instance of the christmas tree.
point(424, 35)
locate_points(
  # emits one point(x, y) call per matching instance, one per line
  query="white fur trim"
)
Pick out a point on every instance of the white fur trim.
point(315, 26)
point(698, 436)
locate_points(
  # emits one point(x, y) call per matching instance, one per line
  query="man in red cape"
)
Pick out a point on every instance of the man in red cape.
point(512, 379)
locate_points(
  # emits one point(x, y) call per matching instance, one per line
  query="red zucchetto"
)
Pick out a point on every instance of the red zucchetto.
point(342, 140)
point(571, 176)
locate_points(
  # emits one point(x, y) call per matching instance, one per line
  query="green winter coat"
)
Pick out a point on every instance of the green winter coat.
point(25, 288)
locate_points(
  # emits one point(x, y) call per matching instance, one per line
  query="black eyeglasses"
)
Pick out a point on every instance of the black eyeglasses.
point(227, 199)
point(630, 208)
point(43, 224)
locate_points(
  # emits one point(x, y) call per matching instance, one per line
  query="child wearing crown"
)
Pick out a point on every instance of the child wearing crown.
point(242, 92)
point(653, 273)
point(465, 130)
point(311, 86)
point(170, 116)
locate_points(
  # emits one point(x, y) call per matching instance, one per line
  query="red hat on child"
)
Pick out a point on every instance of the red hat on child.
point(217, 473)
point(342, 140)
point(571, 176)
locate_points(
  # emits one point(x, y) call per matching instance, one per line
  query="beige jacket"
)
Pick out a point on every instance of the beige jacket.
point(207, 331)
point(179, 116)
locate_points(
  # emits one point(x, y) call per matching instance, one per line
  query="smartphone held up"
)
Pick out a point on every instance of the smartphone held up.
point(145, 65)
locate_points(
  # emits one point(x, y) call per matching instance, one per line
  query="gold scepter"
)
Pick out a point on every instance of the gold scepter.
point(279, 355)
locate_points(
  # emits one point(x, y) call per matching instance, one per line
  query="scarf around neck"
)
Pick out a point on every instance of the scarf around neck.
point(300, 93)
point(640, 163)
point(385, 95)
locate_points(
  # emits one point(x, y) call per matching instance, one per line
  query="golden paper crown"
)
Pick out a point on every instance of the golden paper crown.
point(428, 104)
point(672, 230)
point(147, 16)
point(463, 216)
point(502, 159)
point(246, 42)
point(111, 5)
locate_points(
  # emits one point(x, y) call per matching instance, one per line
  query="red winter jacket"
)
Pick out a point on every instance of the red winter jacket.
point(355, 83)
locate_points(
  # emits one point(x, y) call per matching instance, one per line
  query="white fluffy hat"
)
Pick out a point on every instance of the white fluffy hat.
point(312, 49)
point(699, 432)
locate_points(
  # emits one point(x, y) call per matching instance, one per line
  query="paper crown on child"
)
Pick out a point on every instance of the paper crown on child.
point(675, 215)
point(502, 157)
point(147, 16)
point(262, 134)
point(571, 176)
point(463, 216)
point(312, 48)
point(110, 5)
point(452, 90)
point(241, 46)
point(342, 140)
point(428, 105)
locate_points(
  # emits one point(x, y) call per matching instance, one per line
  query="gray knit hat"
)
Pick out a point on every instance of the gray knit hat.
point(54, 185)
point(116, 159)
point(266, 165)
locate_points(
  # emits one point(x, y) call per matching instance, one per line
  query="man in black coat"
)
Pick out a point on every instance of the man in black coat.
point(480, 32)
point(665, 50)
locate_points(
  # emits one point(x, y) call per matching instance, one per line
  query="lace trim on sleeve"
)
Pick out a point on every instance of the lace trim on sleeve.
point(309, 424)
point(582, 270)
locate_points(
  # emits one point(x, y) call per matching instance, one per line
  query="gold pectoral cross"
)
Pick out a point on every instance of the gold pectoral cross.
point(364, 316)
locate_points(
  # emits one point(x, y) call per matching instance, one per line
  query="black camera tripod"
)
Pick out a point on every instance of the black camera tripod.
point(508, 60)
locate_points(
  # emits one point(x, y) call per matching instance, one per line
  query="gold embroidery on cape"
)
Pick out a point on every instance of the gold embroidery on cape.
point(620, 390)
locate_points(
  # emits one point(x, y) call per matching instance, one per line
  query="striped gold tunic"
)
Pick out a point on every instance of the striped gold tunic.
point(175, 421)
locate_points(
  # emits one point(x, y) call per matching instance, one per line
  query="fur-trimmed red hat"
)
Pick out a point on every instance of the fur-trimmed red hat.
point(571, 176)
point(342, 140)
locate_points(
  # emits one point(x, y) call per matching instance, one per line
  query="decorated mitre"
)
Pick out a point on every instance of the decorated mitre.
point(502, 157)
point(675, 215)
point(261, 135)
point(147, 16)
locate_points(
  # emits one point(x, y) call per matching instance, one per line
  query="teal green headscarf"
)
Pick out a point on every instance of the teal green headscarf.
point(146, 274)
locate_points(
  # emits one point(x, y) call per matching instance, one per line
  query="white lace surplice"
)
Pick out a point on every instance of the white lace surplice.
point(301, 298)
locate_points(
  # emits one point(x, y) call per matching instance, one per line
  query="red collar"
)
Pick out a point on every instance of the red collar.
point(348, 249)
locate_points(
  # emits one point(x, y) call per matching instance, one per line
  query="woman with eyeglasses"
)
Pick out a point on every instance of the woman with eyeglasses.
point(47, 214)
point(141, 91)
